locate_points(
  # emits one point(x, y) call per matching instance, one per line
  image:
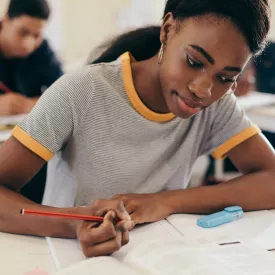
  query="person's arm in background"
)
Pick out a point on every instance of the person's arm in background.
point(13, 103)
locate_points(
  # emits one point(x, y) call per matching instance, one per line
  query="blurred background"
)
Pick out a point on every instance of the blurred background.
point(77, 27)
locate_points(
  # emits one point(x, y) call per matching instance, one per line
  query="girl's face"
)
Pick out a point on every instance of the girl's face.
point(203, 57)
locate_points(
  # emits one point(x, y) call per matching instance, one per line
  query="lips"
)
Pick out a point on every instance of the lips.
point(191, 103)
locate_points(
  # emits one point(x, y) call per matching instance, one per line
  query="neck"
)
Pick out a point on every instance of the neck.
point(147, 84)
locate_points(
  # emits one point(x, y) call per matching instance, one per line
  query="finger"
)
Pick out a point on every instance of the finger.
point(124, 225)
point(104, 248)
point(106, 231)
point(125, 238)
point(119, 208)
point(129, 225)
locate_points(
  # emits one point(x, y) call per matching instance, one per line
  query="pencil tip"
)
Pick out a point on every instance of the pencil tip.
point(21, 211)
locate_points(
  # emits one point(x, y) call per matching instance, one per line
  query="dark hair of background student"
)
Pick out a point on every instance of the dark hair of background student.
point(33, 8)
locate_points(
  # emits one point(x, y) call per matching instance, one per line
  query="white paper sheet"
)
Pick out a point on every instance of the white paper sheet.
point(266, 239)
point(248, 227)
point(68, 252)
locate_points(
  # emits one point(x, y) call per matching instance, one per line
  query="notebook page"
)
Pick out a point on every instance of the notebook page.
point(66, 252)
point(244, 257)
point(161, 230)
point(100, 265)
point(175, 258)
point(248, 227)
point(266, 239)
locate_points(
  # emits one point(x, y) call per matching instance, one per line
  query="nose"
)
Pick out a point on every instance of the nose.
point(201, 87)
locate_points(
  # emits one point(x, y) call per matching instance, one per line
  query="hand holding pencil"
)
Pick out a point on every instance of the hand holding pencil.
point(102, 228)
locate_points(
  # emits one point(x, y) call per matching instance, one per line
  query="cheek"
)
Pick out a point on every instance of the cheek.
point(218, 92)
point(174, 75)
point(16, 37)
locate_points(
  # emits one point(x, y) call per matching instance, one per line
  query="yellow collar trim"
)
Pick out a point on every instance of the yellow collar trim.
point(138, 105)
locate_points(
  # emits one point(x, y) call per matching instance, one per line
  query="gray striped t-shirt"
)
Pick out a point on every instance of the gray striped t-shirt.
point(107, 142)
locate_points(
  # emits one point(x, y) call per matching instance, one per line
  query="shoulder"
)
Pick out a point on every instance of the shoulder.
point(87, 80)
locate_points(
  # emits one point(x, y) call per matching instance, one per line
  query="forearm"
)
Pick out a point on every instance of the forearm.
point(251, 192)
point(29, 104)
point(11, 221)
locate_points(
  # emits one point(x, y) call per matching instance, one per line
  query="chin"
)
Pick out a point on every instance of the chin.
point(174, 109)
point(22, 54)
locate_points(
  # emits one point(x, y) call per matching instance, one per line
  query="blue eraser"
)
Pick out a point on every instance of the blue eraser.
point(229, 214)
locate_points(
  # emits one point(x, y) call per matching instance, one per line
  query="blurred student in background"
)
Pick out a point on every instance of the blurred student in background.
point(27, 64)
point(27, 67)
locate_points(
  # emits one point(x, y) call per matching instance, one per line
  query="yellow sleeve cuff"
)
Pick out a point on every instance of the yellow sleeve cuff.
point(223, 149)
point(31, 143)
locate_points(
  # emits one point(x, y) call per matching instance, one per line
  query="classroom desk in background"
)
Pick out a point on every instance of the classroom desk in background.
point(260, 108)
point(6, 125)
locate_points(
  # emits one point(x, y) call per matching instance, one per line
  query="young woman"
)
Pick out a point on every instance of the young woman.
point(135, 126)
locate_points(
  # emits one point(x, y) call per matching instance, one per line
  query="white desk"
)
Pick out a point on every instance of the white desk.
point(9, 120)
point(254, 101)
point(22, 254)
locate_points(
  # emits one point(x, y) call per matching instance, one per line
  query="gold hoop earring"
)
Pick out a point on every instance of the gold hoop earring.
point(161, 51)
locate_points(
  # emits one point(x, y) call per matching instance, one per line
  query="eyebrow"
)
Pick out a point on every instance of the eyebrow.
point(211, 60)
point(233, 69)
point(204, 53)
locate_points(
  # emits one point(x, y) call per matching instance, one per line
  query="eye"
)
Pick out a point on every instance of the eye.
point(224, 79)
point(193, 64)
point(23, 33)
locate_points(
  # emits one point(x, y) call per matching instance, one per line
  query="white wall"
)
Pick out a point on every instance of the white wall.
point(3, 6)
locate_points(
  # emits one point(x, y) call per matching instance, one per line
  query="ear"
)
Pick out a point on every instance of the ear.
point(5, 19)
point(168, 28)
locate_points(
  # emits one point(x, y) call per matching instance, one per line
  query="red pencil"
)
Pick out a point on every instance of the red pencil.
point(61, 215)
point(4, 88)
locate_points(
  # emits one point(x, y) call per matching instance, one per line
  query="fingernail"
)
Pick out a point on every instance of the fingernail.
point(113, 213)
point(126, 216)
